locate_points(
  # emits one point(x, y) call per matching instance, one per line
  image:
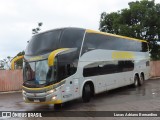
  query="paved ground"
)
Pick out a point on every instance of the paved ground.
point(144, 98)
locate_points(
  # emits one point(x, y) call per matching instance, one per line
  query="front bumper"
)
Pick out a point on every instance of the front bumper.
point(46, 102)
point(42, 97)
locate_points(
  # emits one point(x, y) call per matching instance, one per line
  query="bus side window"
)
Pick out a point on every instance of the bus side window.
point(49, 74)
point(85, 48)
point(90, 43)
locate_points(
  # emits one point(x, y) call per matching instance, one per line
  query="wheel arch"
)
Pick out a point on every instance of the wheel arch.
point(137, 74)
point(90, 82)
point(142, 73)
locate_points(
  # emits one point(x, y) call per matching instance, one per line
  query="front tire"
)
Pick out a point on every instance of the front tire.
point(86, 96)
point(57, 106)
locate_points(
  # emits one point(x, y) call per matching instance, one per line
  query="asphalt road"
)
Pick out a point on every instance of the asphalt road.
point(144, 98)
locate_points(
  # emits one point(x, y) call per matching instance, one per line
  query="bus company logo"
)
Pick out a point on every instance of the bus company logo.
point(6, 114)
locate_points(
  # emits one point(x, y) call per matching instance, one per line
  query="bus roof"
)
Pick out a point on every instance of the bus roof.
point(61, 28)
point(103, 33)
point(94, 31)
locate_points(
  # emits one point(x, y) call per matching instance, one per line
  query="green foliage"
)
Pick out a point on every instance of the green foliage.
point(141, 20)
point(2, 64)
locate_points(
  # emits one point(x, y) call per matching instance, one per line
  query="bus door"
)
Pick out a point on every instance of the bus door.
point(68, 91)
point(72, 89)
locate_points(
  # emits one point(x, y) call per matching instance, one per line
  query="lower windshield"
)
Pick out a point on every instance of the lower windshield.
point(37, 72)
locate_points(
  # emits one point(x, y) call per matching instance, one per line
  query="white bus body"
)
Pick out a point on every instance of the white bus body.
point(118, 62)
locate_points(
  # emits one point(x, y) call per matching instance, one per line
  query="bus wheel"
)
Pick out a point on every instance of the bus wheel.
point(86, 93)
point(141, 80)
point(136, 79)
point(57, 106)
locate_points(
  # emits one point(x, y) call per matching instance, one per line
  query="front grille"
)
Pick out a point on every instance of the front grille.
point(40, 99)
point(31, 84)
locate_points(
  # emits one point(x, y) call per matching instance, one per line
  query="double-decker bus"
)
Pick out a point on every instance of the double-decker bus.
point(69, 63)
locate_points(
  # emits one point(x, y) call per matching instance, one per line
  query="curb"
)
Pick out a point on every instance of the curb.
point(10, 92)
point(154, 78)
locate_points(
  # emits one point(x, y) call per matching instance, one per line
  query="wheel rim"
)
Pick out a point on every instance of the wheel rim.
point(142, 79)
point(136, 81)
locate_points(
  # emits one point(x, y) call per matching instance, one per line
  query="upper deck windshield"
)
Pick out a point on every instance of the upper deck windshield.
point(43, 43)
point(51, 40)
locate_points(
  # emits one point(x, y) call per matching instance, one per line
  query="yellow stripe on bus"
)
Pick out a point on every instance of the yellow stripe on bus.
point(103, 33)
point(47, 87)
point(49, 102)
point(53, 54)
point(35, 58)
point(123, 55)
point(14, 60)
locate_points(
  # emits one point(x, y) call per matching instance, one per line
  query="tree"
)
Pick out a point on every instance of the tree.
point(141, 20)
point(5, 63)
point(1, 64)
point(36, 30)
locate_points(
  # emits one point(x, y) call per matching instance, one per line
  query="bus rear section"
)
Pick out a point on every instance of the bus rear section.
point(110, 61)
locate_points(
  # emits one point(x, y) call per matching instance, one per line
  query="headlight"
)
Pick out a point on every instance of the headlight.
point(54, 97)
point(50, 91)
point(24, 92)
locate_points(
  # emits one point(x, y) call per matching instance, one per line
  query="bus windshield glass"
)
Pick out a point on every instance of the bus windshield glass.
point(37, 73)
point(43, 43)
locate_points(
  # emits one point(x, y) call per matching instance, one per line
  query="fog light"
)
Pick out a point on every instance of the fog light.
point(54, 97)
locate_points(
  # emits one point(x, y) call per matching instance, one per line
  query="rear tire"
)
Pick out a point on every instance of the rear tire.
point(141, 80)
point(136, 80)
point(86, 96)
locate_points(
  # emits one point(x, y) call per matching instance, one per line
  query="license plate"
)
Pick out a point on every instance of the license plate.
point(36, 100)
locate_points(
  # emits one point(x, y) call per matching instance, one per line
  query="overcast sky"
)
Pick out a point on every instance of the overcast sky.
point(18, 17)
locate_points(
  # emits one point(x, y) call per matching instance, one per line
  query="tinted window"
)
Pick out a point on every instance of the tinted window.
point(121, 44)
point(98, 41)
point(108, 67)
point(72, 38)
point(68, 62)
point(95, 41)
point(124, 66)
point(43, 43)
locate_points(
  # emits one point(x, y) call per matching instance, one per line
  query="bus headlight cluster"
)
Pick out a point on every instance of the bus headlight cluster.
point(50, 91)
point(54, 97)
point(23, 92)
